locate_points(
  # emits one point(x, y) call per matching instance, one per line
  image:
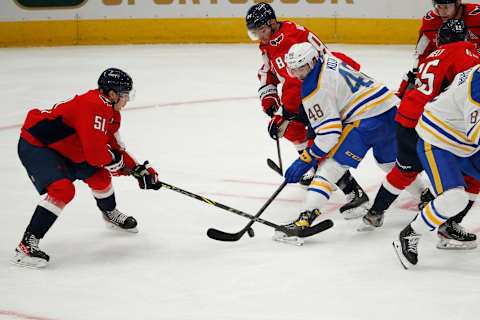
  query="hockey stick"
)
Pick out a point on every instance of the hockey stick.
point(307, 232)
point(273, 165)
point(225, 236)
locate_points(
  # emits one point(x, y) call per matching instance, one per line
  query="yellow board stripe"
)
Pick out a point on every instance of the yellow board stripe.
point(442, 139)
point(321, 184)
point(433, 167)
point(345, 132)
point(431, 216)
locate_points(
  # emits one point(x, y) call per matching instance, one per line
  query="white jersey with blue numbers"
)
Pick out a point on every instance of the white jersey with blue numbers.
point(334, 94)
point(451, 121)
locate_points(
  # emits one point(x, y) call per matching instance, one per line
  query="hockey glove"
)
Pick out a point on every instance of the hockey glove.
point(299, 167)
point(277, 126)
point(270, 100)
point(146, 176)
point(117, 161)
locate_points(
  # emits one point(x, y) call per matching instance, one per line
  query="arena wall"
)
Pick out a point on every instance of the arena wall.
point(84, 22)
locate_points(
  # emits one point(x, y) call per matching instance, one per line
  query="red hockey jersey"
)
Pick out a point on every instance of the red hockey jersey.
point(274, 69)
point(432, 22)
point(435, 73)
point(79, 129)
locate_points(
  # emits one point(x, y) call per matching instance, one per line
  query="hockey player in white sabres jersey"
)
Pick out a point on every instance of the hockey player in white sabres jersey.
point(349, 112)
point(448, 145)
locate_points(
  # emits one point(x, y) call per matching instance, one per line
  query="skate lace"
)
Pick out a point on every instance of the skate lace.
point(412, 242)
point(116, 216)
point(32, 242)
point(459, 229)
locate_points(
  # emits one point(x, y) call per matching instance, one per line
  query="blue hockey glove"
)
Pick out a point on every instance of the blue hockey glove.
point(299, 167)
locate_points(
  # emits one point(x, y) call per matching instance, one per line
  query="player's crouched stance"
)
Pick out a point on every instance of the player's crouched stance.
point(350, 113)
point(78, 140)
point(448, 147)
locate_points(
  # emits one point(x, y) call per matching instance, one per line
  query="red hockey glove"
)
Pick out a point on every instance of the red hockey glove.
point(277, 126)
point(408, 82)
point(147, 177)
point(270, 100)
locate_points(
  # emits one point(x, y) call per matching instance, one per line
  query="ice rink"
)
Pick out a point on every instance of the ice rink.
point(197, 119)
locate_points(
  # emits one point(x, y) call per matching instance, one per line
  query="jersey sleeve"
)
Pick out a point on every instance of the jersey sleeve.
point(266, 74)
point(320, 107)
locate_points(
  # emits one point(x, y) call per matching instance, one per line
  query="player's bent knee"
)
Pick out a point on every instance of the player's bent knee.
point(101, 180)
point(331, 170)
point(61, 191)
point(452, 201)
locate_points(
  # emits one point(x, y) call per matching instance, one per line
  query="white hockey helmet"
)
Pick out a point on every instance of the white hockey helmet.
point(299, 55)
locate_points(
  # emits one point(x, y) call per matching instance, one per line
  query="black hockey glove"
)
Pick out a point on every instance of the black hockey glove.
point(117, 161)
point(146, 176)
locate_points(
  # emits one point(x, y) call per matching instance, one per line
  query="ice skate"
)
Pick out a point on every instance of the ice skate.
point(425, 198)
point(406, 247)
point(356, 206)
point(372, 220)
point(118, 221)
point(27, 254)
point(308, 177)
point(305, 220)
point(454, 236)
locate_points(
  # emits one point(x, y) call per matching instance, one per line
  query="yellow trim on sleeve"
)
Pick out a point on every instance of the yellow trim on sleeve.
point(347, 109)
point(332, 126)
point(376, 103)
point(420, 123)
point(445, 126)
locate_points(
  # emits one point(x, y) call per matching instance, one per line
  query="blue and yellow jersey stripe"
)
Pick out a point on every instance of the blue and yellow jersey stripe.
point(368, 99)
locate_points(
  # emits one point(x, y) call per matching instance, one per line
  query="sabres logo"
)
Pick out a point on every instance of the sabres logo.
point(275, 42)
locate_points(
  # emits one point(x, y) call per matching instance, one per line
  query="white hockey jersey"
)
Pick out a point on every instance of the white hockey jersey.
point(451, 121)
point(334, 94)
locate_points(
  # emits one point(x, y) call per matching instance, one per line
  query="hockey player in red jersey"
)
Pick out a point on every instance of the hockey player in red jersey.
point(433, 19)
point(435, 73)
point(77, 140)
point(276, 38)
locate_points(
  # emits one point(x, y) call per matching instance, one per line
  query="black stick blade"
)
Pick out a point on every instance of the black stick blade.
point(319, 227)
point(219, 235)
point(274, 166)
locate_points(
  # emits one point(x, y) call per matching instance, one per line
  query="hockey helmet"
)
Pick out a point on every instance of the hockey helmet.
point(116, 80)
point(435, 2)
point(299, 55)
point(452, 30)
point(259, 15)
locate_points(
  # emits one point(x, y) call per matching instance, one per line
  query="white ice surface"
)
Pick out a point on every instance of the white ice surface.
point(218, 148)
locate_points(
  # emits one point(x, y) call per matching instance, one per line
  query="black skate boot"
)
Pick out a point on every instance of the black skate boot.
point(425, 198)
point(304, 220)
point(119, 221)
point(454, 236)
point(307, 178)
point(356, 206)
point(406, 247)
point(27, 254)
point(372, 220)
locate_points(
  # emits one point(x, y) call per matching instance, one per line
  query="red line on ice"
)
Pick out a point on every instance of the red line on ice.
point(22, 316)
point(169, 104)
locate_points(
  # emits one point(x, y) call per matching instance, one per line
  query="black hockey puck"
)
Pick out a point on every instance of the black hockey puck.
point(250, 232)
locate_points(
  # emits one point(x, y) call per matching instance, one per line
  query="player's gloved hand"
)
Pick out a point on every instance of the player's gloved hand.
point(117, 161)
point(299, 167)
point(270, 100)
point(277, 126)
point(147, 176)
point(408, 82)
point(411, 75)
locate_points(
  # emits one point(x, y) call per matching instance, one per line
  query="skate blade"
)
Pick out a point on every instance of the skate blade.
point(112, 226)
point(403, 261)
point(450, 244)
point(23, 260)
point(282, 237)
point(353, 214)
point(366, 228)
